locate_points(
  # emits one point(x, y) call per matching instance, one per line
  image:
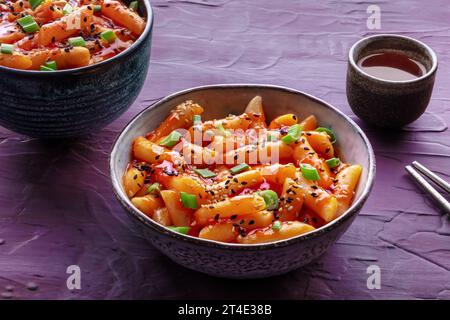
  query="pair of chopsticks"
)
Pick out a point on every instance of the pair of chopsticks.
point(416, 169)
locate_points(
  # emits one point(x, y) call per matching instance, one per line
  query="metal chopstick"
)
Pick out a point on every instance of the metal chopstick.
point(437, 197)
point(432, 176)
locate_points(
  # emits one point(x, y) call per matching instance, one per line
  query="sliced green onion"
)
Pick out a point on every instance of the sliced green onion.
point(77, 42)
point(171, 140)
point(197, 119)
point(97, 8)
point(25, 20)
point(333, 162)
point(270, 198)
point(67, 9)
point(293, 134)
point(183, 230)
point(272, 137)
point(108, 36)
point(239, 168)
point(155, 187)
point(30, 28)
point(51, 64)
point(309, 172)
point(28, 24)
point(205, 173)
point(222, 130)
point(35, 3)
point(134, 5)
point(276, 226)
point(329, 132)
point(188, 200)
point(7, 48)
point(44, 68)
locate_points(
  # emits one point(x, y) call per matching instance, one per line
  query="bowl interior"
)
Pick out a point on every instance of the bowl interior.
point(219, 101)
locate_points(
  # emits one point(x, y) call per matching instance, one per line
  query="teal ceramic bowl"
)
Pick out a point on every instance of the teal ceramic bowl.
point(74, 102)
point(242, 261)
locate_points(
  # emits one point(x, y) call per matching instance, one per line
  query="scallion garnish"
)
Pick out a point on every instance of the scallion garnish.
point(51, 64)
point(197, 119)
point(270, 198)
point(28, 24)
point(35, 3)
point(188, 200)
point(77, 42)
point(97, 8)
point(333, 162)
point(155, 187)
point(239, 168)
point(309, 172)
point(183, 230)
point(67, 9)
point(134, 5)
point(7, 48)
point(293, 134)
point(222, 130)
point(329, 132)
point(271, 137)
point(171, 140)
point(205, 173)
point(108, 36)
point(44, 68)
point(276, 226)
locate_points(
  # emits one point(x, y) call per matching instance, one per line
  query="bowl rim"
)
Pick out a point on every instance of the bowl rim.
point(132, 48)
point(419, 43)
point(354, 208)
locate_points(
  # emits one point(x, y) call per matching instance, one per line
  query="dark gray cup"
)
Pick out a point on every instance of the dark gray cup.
point(385, 103)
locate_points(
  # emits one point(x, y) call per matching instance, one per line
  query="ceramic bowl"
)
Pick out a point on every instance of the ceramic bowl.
point(239, 260)
point(74, 102)
point(383, 103)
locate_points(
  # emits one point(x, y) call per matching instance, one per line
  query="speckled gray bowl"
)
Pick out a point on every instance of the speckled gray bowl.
point(74, 102)
point(238, 260)
point(384, 103)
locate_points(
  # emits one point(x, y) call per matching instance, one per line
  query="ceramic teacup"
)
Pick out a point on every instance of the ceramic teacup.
point(387, 103)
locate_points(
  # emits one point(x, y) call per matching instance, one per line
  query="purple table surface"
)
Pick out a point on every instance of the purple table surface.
point(57, 207)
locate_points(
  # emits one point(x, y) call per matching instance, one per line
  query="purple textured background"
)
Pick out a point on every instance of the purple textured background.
point(57, 207)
